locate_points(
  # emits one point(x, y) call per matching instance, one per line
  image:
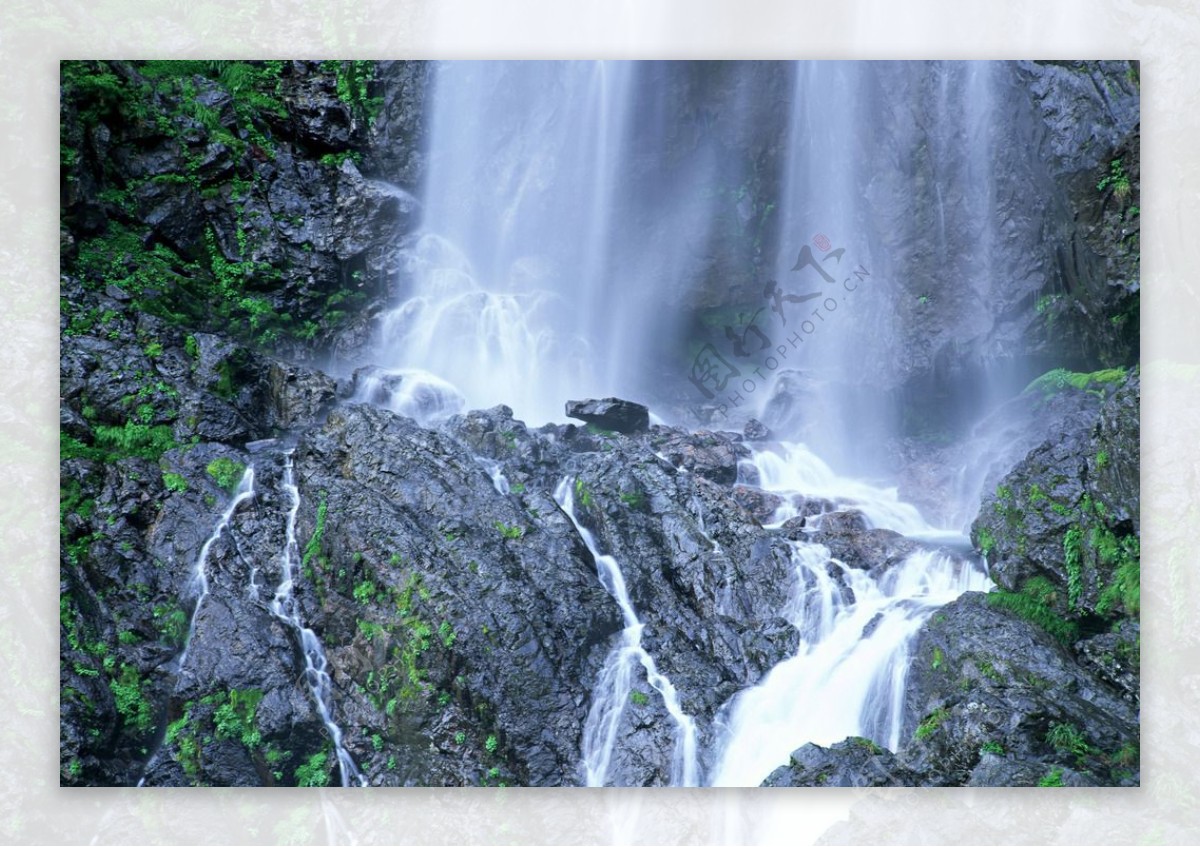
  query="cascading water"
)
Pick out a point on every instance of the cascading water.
point(847, 677)
point(611, 694)
point(199, 581)
point(284, 606)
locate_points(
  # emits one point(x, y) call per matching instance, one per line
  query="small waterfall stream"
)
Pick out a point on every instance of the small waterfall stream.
point(199, 581)
point(284, 606)
point(611, 694)
point(848, 674)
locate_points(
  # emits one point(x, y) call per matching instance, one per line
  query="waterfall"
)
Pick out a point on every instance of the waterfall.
point(847, 677)
point(611, 694)
point(199, 581)
point(285, 607)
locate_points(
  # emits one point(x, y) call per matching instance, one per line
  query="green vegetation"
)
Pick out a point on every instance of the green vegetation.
point(1117, 180)
point(1033, 603)
point(635, 500)
point(868, 744)
point(987, 542)
point(133, 707)
point(938, 658)
point(637, 698)
point(1126, 588)
point(1102, 459)
point(490, 745)
point(226, 473)
point(313, 547)
point(172, 624)
point(1072, 542)
point(365, 592)
point(930, 725)
point(993, 747)
point(174, 482)
point(1067, 740)
point(1053, 779)
point(582, 495)
point(236, 716)
point(1060, 379)
point(315, 772)
point(510, 532)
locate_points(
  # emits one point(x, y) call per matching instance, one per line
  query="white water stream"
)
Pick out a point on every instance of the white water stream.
point(284, 606)
point(611, 694)
point(848, 674)
point(199, 581)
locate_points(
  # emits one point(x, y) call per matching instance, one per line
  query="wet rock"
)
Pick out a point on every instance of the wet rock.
point(611, 413)
point(981, 675)
point(755, 430)
point(299, 395)
point(712, 455)
point(853, 763)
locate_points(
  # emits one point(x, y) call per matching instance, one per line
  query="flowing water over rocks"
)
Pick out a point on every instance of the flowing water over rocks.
point(324, 521)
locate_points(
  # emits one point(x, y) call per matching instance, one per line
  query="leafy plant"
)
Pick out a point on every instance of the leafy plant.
point(313, 547)
point(314, 773)
point(510, 532)
point(638, 698)
point(1031, 604)
point(226, 472)
point(1117, 180)
point(174, 482)
point(1053, 779)
point(237, 716)
point(1072, 543)
point(993, 747)
point(930, 725)
point(582, 495)
point(1068, 740)
point(132, 705)
point(365, 592)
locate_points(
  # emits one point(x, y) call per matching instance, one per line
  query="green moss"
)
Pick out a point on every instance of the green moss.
point(931, 723)
point(226, 472)
point(638, 698)
point(174, 482)
point(1033, 605)
point(867, 744)
point(993, 747)
point(986, 541)
point(1059, 379)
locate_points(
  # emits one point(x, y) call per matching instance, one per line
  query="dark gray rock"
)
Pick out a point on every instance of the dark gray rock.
point(611, 413)
point(853, 763)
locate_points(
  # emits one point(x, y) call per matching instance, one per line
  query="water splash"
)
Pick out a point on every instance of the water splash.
point(793, 471)
point(199, 580)
point(284, 606)
point(847, 677)
point(612, 688)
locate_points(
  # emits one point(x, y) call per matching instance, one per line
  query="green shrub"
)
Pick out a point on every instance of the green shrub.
point(174, 482)
point(930, 725)
point(1053, 779)
point(1072, 556)
point(637, 698)
point(226, 472)
point(1036, 611)
point(132, 705)
point(315, 772)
